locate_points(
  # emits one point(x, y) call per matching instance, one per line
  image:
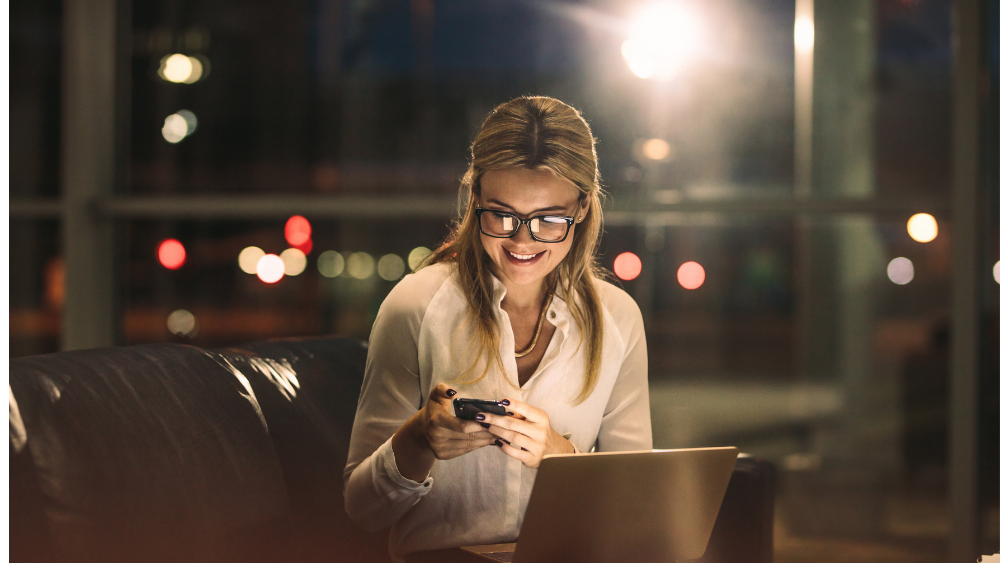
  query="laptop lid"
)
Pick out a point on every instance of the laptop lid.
point(601, 507)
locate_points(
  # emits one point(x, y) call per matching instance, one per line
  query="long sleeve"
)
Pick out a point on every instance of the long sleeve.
point(375, 493)
point(626, 423)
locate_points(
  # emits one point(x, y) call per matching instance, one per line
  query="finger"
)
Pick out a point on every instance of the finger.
point(515, 452)
point(516, 439)
point(442, 394)
point(532, 414)
point(517, 425)
point(453, 452)
point(447, 421)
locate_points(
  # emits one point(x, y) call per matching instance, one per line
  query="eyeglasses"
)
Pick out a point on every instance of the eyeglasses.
point(543, 228)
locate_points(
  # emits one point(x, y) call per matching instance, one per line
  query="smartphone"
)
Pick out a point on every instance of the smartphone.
point(469, 408)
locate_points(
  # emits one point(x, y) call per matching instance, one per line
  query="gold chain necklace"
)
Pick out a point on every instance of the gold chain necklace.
point(538, 329)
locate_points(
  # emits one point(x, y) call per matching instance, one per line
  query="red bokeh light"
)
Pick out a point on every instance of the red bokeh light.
point(297, 230)
point(171, 254)
point(627, 266)
point(691, 275)
point(305, 247)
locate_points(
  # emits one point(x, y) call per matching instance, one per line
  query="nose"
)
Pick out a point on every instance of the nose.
point(522, 236)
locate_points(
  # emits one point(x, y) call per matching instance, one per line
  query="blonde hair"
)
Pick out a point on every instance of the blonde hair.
point(536, 133)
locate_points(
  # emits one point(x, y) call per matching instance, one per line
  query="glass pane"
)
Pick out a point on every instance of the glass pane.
point(214, 302)
point(37, 287)
point(35, 53)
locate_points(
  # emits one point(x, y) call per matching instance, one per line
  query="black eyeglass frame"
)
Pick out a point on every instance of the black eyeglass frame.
point(479, 216)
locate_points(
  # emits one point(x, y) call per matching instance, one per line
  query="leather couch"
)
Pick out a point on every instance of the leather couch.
point(166, 452)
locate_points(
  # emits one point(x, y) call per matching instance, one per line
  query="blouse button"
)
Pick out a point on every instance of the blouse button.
point(552, 315)
point(427, 484)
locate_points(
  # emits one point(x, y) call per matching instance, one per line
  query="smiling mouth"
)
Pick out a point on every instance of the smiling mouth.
point(522, 258)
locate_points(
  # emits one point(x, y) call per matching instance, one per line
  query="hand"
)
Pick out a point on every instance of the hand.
point(446, 435)
point(526, 435)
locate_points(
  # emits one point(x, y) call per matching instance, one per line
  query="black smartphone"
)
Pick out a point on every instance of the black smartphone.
point(469, 408)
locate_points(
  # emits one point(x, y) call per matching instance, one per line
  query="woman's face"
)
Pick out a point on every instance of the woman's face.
point(521, 260)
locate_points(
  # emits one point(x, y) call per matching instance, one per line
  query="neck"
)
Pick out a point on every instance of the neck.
point(523, 297)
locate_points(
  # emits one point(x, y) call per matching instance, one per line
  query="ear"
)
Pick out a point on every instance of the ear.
point(584, 208)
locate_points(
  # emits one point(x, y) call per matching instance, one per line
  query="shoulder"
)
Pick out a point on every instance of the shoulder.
point(617, 302)
point(414, 293)
point(622, 311)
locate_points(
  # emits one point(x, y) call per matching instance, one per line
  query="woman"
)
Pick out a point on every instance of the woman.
point(511, 307)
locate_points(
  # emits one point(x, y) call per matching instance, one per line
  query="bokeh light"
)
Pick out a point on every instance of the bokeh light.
point(417, 256)
point(805, 34)
point(922, 227)
point(656, 149)
point(330, 264)
point(181, 69)
point(178, 126)
point(171, 254)
point(627, 266)
point(295, 261)
point(360, 265)
point(900, 271)
point(305, 247)
point(182, 323)
point(249, 257)
point(270, 268)
point(996, 272)
point(691, 275)
point(297, 230)
point(391, 267)
point(664, 37)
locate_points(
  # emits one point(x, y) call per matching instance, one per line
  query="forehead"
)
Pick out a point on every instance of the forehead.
point(526, 190)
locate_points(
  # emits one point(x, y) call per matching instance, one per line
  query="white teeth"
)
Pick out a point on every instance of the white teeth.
point(523, 256)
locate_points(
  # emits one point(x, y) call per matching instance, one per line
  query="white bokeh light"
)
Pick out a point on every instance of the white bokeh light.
point(249, 257)
point(900, 271)
point(417, 256)
point(179, 125)
point(922, 227)
point(996, 272)
point(270, 268)
point(330, 264)
point(182, 323)
point(360, 265)
point(181, 69)
point(391, 267)
point(295, 261)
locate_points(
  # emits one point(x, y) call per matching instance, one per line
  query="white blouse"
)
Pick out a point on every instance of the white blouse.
point(422, 337)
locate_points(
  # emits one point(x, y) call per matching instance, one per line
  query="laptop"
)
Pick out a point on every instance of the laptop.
point(609, 507)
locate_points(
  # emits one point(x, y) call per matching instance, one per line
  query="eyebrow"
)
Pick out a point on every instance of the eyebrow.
point(552, 208)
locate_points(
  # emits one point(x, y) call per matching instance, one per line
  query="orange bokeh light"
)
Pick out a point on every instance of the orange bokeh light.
point(627, 266)
point(691, 275)
point(297, 230)
point(171, 254)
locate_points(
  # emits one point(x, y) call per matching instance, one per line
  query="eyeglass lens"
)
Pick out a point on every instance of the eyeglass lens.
point(548, 228)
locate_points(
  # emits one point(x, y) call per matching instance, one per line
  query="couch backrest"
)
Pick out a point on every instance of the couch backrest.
point(165, 452)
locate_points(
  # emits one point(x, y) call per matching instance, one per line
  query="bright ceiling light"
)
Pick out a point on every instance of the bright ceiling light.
point(664, 37)
point(805, 34)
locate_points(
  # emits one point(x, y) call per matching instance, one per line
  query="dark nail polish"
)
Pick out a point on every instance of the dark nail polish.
point(510, 413)
point(451, 392)
point(480, 416)
point(504, 441)
point(505, 403)
point(498, 443)
point(523, 450)
point(484, 424)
